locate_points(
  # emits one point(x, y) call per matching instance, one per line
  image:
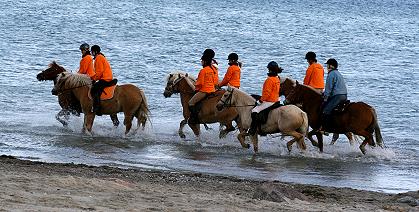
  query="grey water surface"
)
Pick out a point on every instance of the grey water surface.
point(375, 42)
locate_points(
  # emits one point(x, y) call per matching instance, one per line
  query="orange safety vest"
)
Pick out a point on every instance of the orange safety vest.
point(270, 92)
point(315, 76)
point(102, 68)
point(232, 77)
point(206, 80)
point(86, 66)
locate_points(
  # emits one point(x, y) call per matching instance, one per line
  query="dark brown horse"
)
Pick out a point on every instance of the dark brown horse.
point(179, 82)
point(68, 102)
point(287, 85)
point(358, 118)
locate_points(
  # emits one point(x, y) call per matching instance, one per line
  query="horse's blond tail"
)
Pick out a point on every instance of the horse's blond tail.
point(378, 137)
point(304, 126)
point(143, 113)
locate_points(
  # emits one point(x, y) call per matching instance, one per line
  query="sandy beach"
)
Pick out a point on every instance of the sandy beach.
point(37, 186)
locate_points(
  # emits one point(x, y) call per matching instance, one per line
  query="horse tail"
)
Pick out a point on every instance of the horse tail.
point(143, 113)
point(378, 137)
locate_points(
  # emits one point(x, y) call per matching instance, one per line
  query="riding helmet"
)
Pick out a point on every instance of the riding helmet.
point(274, 67)
point(84, 46)
point(311, 56)
point(95, 48)
point(233, 56)
point(332, 62)
point(208, 54)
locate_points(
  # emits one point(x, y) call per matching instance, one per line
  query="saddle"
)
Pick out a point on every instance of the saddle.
point(198, 105)
point(107, 92)
point(341, 107)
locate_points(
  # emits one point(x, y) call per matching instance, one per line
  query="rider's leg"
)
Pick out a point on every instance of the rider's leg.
point(193, 118)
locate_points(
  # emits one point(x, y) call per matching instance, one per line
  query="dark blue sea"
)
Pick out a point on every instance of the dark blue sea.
point(375, 42)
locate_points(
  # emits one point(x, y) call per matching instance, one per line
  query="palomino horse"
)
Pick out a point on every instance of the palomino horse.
point(127, 98)
point(288, 119)
point(68, 102)
point(287, 85)
point(179, 82)
point(358, 118)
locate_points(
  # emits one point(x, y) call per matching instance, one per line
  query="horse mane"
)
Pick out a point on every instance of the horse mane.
point(311, 89)
point(282, 80)
point(56, 66)
point(69, 80)
point(175, 75)
point(248, 98)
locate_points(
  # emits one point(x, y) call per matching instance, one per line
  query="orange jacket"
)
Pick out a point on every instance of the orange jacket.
point(86, 66)
point(102, 68)
point(270, 92)
point(315, 76)
point(206, 80)
point(232, 77)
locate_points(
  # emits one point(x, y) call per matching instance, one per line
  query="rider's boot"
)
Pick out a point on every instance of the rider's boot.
point(193, 117)
point(254, 124)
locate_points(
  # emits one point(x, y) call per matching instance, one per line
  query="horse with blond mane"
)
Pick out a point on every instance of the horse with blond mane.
point(288, 119)
point(127, 98)
point(358, 118)
point(182, 83)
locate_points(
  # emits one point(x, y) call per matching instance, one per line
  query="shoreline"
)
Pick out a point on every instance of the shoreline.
point(30, 185)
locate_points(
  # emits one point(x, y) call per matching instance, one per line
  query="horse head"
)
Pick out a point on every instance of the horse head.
point(51, 72)
point(226, 99)
point(287, 85)
point(175, 84)
point(295, 95)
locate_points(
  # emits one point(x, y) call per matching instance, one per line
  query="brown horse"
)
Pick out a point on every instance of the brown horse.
point(68, 102)
point(287, 85)
point(179, 82)
point(127, 98)
point(358, 118)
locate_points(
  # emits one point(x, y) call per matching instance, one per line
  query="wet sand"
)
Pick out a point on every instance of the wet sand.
point(37, 186)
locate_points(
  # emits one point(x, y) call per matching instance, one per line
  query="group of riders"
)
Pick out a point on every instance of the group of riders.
point(334, 91)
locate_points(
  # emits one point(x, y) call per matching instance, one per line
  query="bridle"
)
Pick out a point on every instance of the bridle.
point(170, 85)
point(227, 102)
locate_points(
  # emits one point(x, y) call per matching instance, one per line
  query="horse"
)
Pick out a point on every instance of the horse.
point(182, 83)
point(68, 102)
point(288, 119)
point(358, 118)
point(127, 98)
point(287, 85)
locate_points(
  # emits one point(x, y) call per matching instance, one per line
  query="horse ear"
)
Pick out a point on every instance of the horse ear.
point(296, 82)
point(186, 75)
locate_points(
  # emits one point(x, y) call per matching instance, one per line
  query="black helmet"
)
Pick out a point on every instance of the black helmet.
point(332, 62)
point(273, 67)
point(233, 56)
point(208, 54)
point(95, 48)
point(84, 46)
point(311, 56)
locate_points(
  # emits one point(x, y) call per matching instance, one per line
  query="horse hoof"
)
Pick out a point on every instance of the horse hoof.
point(183, 136)
point(247, 146)
point(315, 144)
point(362, 149)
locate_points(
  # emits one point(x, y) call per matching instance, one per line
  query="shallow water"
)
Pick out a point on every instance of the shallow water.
point(375, 42)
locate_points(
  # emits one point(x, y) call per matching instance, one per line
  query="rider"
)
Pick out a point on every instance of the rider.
point(335, 91)
point(205, 84)
point(103, 77)
point(86, 62)
point(232, 77)
point(270, 94)
point(314, 73)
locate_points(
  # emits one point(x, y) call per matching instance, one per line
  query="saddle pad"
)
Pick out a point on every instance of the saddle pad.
point(107, 93)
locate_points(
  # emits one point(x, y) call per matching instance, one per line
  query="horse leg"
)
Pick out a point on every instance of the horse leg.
point(229, 128)
point(320, 140)
point(181, 125)
point(350, 137)
point(255, 143)
point(310, 137)
point(368, 137)
point(115, 120)
point(88, 123)
point(128, 122)
point(63, 113)
point(242, 137)
point(335, 138)
point(297, 137)
point(195, 128)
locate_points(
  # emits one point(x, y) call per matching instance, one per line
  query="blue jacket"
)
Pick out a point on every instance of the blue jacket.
point(335, 84)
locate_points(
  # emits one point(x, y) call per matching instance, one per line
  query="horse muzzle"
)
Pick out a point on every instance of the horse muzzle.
point(54, 92)
point(167, 94)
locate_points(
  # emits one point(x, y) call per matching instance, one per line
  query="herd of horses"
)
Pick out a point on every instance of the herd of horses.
point(224, 107)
